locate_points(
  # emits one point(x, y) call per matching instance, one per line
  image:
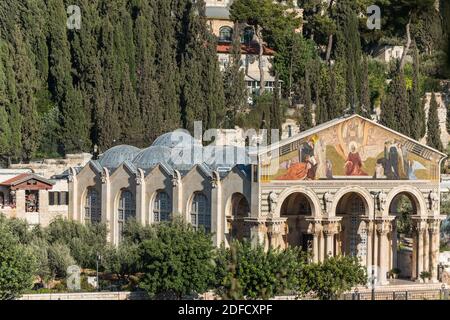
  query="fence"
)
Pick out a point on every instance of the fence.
point(435, 294)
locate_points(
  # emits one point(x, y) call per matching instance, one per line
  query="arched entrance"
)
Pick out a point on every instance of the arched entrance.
point(239, 210)
point(403, 206)
point(353, 239)
point(296, 208)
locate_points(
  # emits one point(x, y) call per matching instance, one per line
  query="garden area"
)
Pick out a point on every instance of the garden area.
point(166, 261)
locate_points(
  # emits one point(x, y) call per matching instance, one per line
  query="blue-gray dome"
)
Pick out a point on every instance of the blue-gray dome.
point(225, 156)
point(117, 155)
point(176, 139)
point(151, 156)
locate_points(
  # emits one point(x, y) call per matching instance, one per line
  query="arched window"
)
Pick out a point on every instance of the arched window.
point(92, 208)
point(225, 34)
point(162, 207)
point(200, 212)
point(247, 36)
point(127, 209)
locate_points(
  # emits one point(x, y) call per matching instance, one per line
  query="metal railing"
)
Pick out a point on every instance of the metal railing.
point(432, 294)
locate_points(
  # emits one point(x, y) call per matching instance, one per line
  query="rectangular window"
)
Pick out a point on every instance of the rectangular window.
point(51, 198)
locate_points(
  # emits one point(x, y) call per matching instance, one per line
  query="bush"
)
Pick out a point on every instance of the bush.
point(122, 260)
point(59, 259)
point(17, 265)
point(329, 279)
point(253, 273)
point(84, 241)
point(39, 248)
point(177, 260)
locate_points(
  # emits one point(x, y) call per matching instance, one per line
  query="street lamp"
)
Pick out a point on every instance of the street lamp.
point(372, 280)
point(99, 258)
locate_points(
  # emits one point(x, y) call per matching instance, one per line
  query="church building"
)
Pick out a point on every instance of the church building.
point(340, 188)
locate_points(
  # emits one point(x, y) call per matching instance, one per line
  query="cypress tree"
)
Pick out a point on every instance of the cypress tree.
point(235, 88)
point(275, 110)
point(395, 112)
point(146, 87)
point(166, 64)
point(5, 132)
point(202, 87)
point(365, 106)
point(418, 127)
point(74, 119)
point(433, 128)
point(8, 99)
point(306, 111)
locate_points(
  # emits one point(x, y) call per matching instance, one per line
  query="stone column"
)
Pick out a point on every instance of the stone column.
point(258, 231)
point(369, 260)
point(275, 229)
point(426, 249)
point(419, 228)
point(331, 227)
point(394, 245)
point(434, 228)
point(315, 228)
point(383, 228)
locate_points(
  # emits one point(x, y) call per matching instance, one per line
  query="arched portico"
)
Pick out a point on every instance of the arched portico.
point(413, 194)
point(361, 192)
point(316, 209)
point(237, 210)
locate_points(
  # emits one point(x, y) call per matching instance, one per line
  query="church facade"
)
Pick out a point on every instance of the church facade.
point(340, 188)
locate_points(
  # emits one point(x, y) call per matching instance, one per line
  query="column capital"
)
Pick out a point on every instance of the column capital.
point(331, 226)
point(315, 226)
point(384, 225)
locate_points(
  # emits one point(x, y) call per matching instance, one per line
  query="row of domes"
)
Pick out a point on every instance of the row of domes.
point(177, 149)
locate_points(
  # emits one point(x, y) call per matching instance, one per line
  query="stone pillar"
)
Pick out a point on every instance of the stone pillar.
point(383, 228)
point(331, 227)
point(140, 199)
point(315, 228)
point(394, 245)
point(275, 229)
point(419, 228)
point(107, 211)
point(258, 231)
point(434, 234)
point(426, 249)
point(369, 257)
point(216, 201)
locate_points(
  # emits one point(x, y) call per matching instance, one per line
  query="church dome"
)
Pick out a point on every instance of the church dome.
point(117, 155)
point(176, 139)
point(151, 156)
point(225, 156)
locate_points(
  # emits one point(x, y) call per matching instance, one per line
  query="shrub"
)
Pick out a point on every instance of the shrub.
point(122, 260)
point(329, 279)
point(177, 260)
point(17, 265)
point(59, 259)
point(253, 273)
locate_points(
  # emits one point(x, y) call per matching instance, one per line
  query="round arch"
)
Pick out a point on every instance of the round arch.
point(363, 193)
point(413, 194)
point(238, 197)
point(316, 209)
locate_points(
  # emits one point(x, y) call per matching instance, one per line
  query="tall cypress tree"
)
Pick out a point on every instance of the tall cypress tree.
point(26, 84)
point(306, 112)
point(433, 128)
point(166, 63)
point(235, 89)
point(74, 123)
point(365, 108)
point(202, 87)
point(275, 110)
point(147, 87)
point(8, 100)
point(418, 127)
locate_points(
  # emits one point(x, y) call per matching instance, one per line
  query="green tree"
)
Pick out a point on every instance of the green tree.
point(418, 127)
point(59, 259)
point(433, 129)
point(329, 279)
point(252, 273)
point(306, 112)
point(17, 266)
point(122, 261)
point(235, 88)
point(269, 20)
point(177, 260)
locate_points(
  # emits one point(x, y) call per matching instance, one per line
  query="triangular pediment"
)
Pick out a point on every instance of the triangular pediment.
point(350, 148)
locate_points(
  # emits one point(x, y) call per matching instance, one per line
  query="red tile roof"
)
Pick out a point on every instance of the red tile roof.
point(23, 177)
point(245, 49)
point(11, 181)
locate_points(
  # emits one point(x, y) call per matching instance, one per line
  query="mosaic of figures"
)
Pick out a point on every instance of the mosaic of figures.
point(352, 149)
